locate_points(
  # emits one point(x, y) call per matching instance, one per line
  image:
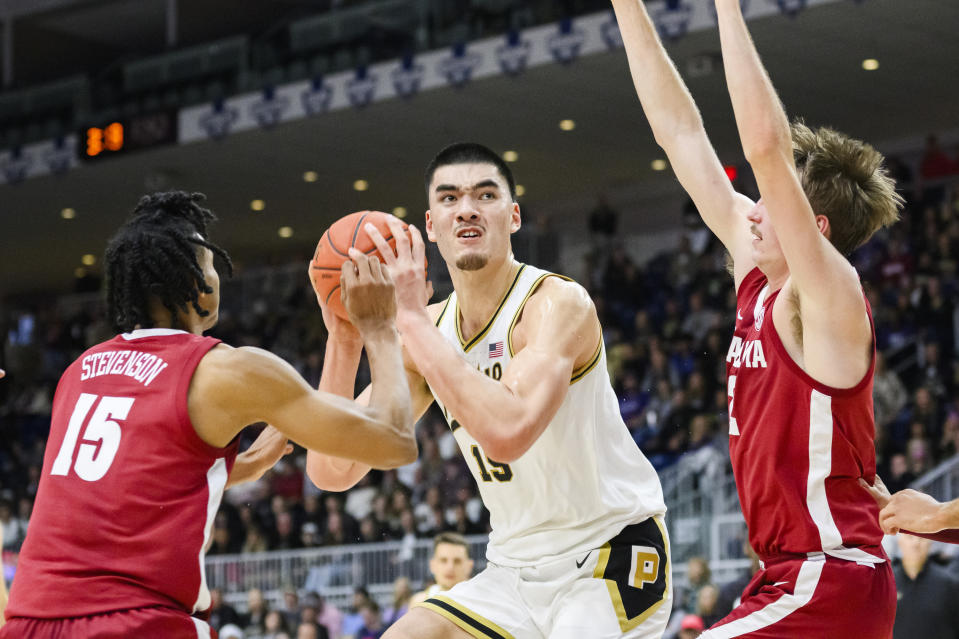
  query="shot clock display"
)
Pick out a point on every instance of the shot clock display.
point(128, 134)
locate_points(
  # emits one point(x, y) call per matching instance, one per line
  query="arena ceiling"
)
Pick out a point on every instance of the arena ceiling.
point(814, 60)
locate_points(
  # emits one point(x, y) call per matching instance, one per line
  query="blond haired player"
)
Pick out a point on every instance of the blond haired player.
point(449, 565)
point(801, 361)
point(515, 359)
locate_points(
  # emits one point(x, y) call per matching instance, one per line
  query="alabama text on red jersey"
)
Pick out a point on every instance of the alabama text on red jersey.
point(798, 447)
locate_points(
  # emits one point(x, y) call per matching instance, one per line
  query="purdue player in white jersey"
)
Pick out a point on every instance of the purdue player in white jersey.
point(514, 357)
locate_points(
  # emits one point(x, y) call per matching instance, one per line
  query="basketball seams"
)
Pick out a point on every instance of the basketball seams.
point(329, 240)
point(356, 229)
point(329, 256)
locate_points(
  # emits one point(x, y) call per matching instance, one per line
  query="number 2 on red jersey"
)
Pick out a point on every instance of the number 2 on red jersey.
point(102, 432)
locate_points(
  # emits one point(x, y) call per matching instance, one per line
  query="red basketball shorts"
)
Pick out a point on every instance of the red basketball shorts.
point(142, 623)
point(824, 597)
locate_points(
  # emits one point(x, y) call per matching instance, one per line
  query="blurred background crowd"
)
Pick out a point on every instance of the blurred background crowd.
point(666, 326)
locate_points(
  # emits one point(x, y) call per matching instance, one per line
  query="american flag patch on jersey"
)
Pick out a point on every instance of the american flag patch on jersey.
point(496, 349)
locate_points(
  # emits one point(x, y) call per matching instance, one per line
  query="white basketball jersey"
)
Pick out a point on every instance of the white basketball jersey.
point(582, 481)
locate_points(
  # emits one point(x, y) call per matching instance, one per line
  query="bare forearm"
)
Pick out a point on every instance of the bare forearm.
point(340, 363)
point(948, 515)
point(760, 117)
point(390, 395)
point(476, 401)
point(668, 105)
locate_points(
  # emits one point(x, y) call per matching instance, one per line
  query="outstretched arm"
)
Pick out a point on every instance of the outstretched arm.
point(245, 385)
point(507, 416)
point(678, 128)
point(818, 271)
point(344, 346)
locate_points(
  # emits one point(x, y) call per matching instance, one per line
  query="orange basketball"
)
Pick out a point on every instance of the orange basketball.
point(332, 251)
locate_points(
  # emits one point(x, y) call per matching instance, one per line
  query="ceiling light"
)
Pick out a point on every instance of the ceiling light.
point(400, 212)
point(311, 176)
point(510, 156)
point(79, 272)
point(870, 64)
point(257, 205)
point(68, 214)
point(361, 185)
point(567, 125)
point(658, 165)
point(89, 259)
point(520, 190)
point(285, 231)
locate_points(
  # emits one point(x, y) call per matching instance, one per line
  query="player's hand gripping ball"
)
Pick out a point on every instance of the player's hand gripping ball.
point(332, 251)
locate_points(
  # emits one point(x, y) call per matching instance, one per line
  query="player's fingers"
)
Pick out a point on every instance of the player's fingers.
point(419, 248)
point(389, 256)
point(362, 261)
point(377, 269)
point(399, 236)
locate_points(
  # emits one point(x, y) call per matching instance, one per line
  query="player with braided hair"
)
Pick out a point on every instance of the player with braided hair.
point(155, 256)
point(144, 435)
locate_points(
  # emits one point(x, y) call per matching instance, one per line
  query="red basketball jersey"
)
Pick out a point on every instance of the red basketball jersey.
point(129, 491)
point(798, 447)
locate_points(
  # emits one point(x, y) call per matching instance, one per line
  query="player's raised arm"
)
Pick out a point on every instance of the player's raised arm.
point(243, 385)
point(344, 346)
point(678, 128)
point(818, 270)
point(507, 416)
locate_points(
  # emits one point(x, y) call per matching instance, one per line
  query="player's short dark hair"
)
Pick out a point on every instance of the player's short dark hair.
point(470, 153)
point(154, 255)
point(450, 538)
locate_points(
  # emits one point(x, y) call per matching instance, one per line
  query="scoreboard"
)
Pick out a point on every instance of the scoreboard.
point(124, 135)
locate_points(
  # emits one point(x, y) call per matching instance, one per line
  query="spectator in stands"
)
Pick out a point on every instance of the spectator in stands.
point(449, 565)
point(14, 529)
point(290, 608)
point(311, 631)
point(707, 604)
point(274, 626)
point(284, 535)
point(317, 609)
point(373, 626)
point(731, 592)
point(309, 535)
point(402, 593)
point(221, 613)
point(253, 620)
point(927, 594)
point(899, 475)
point(691, 627)
point(255, 541)
point(698, 576)
point(888, 392)
point(231, 631)
point(603, 223)
point(352, 622)
point(935, 162)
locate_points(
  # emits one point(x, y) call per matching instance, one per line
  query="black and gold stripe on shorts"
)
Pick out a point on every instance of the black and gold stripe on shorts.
point(472, 623)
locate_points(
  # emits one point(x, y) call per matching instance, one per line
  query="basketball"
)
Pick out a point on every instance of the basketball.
point(333, 249)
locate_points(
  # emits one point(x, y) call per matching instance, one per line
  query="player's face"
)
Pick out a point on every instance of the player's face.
point(766, 251)
point(209, 301)
point(450, 565)
point(471, 215)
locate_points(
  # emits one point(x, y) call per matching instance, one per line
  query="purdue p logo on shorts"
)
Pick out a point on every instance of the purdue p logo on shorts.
point(645, 566)
point(635, 566)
